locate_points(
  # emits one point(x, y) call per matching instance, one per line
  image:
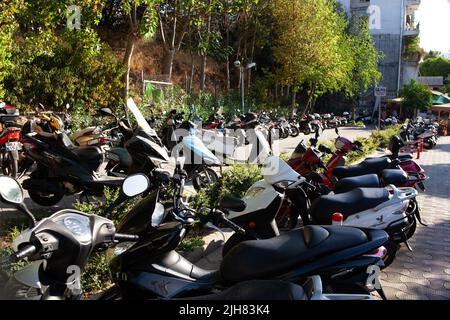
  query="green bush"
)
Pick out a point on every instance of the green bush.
point(235, 181)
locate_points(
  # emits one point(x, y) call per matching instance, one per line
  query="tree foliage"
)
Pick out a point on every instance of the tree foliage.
point(435, 67)
point(416, 96)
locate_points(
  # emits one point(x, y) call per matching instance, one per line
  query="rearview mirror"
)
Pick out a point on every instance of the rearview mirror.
point(10, 190)
point(323, 148)
point(135, 185)
point(106, 112)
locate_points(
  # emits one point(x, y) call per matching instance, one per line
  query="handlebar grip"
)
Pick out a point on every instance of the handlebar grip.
point(232, 225)
point(126, 237)
point(23, 253)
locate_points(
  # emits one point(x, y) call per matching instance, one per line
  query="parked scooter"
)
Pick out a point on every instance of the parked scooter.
point(9, 140)
point(64, 169)
point(284, 194)
point(58, 248)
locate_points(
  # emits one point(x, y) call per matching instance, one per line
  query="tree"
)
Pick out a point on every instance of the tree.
point(435, 67)
point(365, 56)
point(308, 47)
point(142, 22)
point(8, 25)
point(416, 96)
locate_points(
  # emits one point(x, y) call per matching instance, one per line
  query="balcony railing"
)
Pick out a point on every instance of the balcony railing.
point(412, 2)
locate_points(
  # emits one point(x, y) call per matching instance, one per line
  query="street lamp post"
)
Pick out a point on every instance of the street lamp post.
point(238, 64)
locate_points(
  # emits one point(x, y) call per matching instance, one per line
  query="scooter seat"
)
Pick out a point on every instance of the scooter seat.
point(394, 176)
point(368, 166)
point(232, 203)
point(348, 203)
point(350, 183)
point(257, 259)
point(88, 153)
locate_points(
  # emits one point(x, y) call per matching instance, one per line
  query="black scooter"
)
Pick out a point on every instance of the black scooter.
point(151, 268)
point(58, 248)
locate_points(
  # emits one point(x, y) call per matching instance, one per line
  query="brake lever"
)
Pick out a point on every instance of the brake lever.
point(213, 226)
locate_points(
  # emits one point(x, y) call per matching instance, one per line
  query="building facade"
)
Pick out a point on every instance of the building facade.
point(393, 25)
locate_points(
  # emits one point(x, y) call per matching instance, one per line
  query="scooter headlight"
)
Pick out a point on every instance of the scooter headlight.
point(253, 192)
point(283, 184)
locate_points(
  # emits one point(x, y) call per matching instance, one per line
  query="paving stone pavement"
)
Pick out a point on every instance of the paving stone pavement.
point(425, 273)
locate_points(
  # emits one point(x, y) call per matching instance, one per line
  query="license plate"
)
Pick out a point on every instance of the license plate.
point(12, 146)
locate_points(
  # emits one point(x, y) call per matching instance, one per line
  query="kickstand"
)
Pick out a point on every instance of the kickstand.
point(408, 245)
point(382, 294)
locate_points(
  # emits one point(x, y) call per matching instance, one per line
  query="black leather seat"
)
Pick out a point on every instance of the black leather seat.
point(350, 183)
point(88, 153)
point(90, 156)
point(232, 203)
point(368, 166)
point(348, 203)
point(394, 176)
point(256, 259)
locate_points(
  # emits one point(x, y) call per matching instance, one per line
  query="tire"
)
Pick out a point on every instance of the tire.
point(41, 198)
point(294, 131)
point(412, 229)
point(306, 131)
point(200, 180)
point(10, 166)
point(391, 248)
point(233, 241)
point(284, 133)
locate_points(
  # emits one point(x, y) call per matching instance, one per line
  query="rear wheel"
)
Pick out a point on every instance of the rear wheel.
point(294, 131)
point(204, 177)
point(10, 166)
point(391, 252)
point(43, 198)
point(284, 133)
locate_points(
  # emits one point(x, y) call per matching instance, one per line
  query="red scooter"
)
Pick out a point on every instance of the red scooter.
point(9, 140)
point(372, 172)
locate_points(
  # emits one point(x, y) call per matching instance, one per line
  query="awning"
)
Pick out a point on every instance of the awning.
point(442, 107)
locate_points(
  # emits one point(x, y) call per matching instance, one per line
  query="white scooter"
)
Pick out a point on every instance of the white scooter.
point(284, 194)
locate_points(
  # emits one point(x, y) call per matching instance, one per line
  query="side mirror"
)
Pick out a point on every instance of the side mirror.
point(135, 185)
point(132, 186)
point(323, 148)
point(11, 192)
point(106, 112)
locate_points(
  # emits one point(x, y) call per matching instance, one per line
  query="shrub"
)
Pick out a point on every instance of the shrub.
point(235, 181)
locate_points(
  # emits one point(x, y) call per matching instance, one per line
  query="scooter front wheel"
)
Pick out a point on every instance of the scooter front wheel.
point(204, 177)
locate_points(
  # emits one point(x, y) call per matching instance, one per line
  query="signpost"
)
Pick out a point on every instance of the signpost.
point(379, 92)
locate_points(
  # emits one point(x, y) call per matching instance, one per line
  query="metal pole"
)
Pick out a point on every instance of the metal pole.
point(379, 113)
point(242, 89)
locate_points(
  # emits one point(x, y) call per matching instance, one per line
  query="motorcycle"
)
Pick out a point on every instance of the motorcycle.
point(10, 137)
point(57, 249)
point(64, 169)
point(283, 194)
point(400, 170)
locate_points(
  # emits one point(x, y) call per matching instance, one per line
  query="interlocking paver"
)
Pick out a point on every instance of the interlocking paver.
point(428, 266)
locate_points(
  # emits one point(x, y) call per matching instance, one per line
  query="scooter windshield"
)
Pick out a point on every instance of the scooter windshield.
point(142, 123)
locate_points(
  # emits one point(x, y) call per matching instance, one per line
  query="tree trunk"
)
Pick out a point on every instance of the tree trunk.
point(191, 80)
point(293, 103)
point(168, 62)
point(202, 72)
point(127, 61)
